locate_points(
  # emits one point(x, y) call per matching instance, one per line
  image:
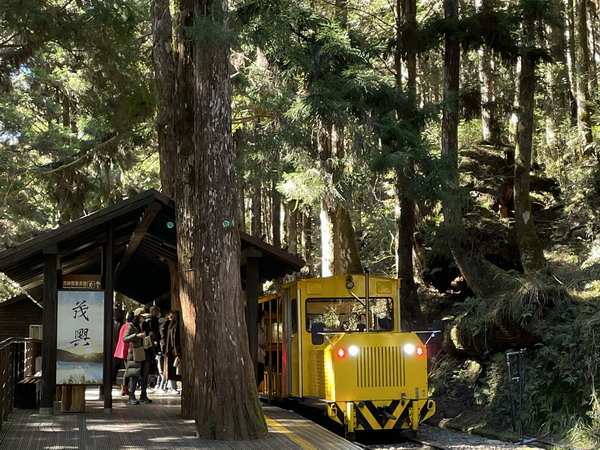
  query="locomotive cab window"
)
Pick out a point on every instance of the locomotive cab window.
point(350, 314)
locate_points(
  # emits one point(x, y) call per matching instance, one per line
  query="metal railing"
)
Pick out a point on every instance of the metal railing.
point(17, 361)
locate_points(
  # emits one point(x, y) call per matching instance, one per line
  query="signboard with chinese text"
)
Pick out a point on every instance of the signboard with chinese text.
point(80, 337)
point(82, 282)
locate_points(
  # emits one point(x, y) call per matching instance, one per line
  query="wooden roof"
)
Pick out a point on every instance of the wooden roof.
point(144, 240)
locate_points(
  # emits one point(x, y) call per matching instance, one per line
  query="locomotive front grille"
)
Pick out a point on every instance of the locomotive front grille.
point(379, 367)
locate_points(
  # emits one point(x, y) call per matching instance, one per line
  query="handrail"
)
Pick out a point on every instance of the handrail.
point(16, 340)
point(17, 359)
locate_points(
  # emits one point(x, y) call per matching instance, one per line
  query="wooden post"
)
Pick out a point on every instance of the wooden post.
point(50, 297)
point(251, 255)
point(108, 269)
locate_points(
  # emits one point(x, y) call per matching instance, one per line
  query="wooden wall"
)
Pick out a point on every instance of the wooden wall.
point(16, 316)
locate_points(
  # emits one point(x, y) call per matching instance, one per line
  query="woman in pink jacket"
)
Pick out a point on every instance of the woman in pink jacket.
point(120, 354)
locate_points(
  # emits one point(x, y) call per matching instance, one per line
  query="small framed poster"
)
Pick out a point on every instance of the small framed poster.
point(80, 337)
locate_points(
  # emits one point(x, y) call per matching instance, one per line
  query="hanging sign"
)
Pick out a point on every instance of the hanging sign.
point(80, 337)
point(81, 282)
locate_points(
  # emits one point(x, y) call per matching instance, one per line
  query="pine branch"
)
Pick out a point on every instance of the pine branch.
point(103, 145)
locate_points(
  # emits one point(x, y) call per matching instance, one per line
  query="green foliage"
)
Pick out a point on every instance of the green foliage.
point(76, 108)
point(8, 289)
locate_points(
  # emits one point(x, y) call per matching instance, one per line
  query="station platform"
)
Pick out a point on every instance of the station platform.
point(155, 426)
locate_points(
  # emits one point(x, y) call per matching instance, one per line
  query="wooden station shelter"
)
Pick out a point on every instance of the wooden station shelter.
point(128, 246)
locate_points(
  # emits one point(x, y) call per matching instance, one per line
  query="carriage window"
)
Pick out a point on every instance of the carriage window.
point(349, 314)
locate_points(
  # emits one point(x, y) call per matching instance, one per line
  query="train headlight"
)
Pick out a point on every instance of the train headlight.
point(412, 349)
point(341, 352)
point(353, 350)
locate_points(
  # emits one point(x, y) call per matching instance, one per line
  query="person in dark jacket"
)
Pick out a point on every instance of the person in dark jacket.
point(138, 370)
point(172, 353)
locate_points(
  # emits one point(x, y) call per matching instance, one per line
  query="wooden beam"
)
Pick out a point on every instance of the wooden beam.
point(250, 252)
point(50, 295)
point(137, 236)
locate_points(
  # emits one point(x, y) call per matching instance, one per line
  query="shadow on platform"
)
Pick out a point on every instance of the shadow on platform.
point(155, 426)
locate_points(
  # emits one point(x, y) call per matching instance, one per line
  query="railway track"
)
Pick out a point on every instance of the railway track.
point(428, 437)
point(410, 444)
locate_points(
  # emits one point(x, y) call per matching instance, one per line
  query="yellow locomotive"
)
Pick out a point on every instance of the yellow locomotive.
point(334, 343)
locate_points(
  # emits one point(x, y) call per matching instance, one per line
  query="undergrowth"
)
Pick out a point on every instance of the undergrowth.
point(560, 309)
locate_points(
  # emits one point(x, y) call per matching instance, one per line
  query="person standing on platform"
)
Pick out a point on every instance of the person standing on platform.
point(120, 355)
point(172, 360)
point(154, 334)
point(139, 356)
point(164, 328)
point(161, 379)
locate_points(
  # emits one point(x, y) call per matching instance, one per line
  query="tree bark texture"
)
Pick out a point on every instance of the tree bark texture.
point(256, 208)
point(405, 220)
point(164, 71)
point(177, 161)
point(572, 54)
point(293, 218)
point(482, 277)
point(276, 215)
point(593, 20)
point(584, 119)
point(513, 121)
point(227, 400)
point(530, 248)
point(450, 118)
point(559, 93)
point(307, 236)
point(410, 308)
point(326, 242)
point(489, 127)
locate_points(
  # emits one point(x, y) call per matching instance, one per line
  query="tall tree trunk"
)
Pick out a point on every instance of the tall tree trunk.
point(183, 159)
point(490, 130)
point(164, 74)
point(239, 140)
point(256, 219)
point(307, 238)
point(346, 258)
point(345, 251)
point(482, 277)
point(292, 217)
point(571, 54)
point(513, 121)
point(559, 91)
point(405, 220)
point(584, 115)
point(276, 215)
point(489, 126)
point(530, 248)
point(405, 223)
point(327, 258)
point(593, 20)
point(227, 401)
